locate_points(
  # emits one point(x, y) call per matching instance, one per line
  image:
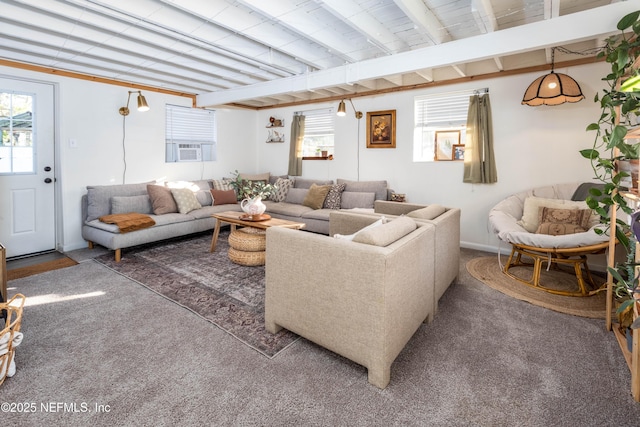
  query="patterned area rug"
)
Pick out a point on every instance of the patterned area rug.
point(229, 295)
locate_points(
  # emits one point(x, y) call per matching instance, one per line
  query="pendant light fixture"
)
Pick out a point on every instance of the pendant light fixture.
point(552, 89)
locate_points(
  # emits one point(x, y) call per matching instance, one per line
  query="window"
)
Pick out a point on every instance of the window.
point(318, 133)
point(16, 130)
point(190, 134)
point(444, 113)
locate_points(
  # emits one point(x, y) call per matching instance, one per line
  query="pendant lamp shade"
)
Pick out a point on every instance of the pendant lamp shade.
point(552, 89)
point(342, 109)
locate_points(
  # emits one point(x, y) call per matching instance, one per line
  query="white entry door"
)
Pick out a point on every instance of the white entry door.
point(27, 208)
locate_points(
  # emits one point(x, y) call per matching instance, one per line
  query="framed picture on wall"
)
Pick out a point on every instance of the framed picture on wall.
point(445, 140)
point(458, 152)
point(381, 129)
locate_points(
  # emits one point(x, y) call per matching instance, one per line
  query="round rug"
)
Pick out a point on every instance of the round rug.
point(488, 271)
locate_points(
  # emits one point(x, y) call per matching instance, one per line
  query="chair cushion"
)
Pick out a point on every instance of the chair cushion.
point(387, 233)
point(429, 212)
point(532, 205)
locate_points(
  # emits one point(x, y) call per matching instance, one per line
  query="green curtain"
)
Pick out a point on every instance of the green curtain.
point(479, 162)
point(295, 148)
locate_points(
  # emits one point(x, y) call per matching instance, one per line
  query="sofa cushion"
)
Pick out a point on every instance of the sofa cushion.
point(296, 195)
point(126, 204)
point(316, 195)
point(222, 184)
point(185, 199)
point(379, 222)
point(306, 183)
point(429, 212)
point(378, 187)
point(200, 185)
point(204, 197)
point(288, 209)
point(352, 199)
point(282, 188)
point(223, 197)
point(387, 233)
point(255, 177)
point(161, 200)
point(321, 214)
point(332, 201)
point(99, 197)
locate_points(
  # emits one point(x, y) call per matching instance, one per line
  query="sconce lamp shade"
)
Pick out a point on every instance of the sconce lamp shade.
point(342, 109)
point(552, 89)
point(631, 84)
point(142, 103)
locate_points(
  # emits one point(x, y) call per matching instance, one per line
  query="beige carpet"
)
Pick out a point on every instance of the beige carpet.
point(487, 270)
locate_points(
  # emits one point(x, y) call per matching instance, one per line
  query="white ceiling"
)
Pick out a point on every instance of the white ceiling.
point(259, 53)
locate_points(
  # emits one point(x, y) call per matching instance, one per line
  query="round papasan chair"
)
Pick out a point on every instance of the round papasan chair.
point(515, 220)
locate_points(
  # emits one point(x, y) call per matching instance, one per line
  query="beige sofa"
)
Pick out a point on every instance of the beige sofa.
point(447, 238)
point(359, 300)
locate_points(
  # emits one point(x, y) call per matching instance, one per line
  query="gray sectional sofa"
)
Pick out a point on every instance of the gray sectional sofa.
point(105, 200)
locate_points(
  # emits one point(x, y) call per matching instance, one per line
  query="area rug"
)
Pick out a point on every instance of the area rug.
point(18, 273)
point(229, 295)
point(488, 271)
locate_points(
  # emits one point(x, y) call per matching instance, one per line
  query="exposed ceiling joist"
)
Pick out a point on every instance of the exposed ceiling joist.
point(557, 31)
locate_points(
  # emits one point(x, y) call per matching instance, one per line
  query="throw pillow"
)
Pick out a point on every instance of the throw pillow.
point(387, 233)
point(334, 197)
point(558, 229)
point(532, 204)
point(223, 197)
point(185, 200)
point(429, 212)
point(127, 204)
point(282, 188)
point(161, 199)
point(316, 195)
point(578, 217)
point(378, 223)
point(204, 197)
point(222, 184)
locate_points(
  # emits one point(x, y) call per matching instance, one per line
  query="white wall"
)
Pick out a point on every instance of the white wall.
point(534, 146)
point(88, 113)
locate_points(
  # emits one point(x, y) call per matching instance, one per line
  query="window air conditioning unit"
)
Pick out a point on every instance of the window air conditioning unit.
point(189, 152)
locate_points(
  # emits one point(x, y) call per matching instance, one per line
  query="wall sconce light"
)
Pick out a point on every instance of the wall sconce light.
point(142, 103)
point(552, 89)
point(342, 110)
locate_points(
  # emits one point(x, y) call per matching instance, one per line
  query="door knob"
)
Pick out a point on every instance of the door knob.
point(47, 168)
point(47, 180)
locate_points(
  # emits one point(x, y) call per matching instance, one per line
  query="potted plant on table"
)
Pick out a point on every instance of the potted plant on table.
point(251, 193)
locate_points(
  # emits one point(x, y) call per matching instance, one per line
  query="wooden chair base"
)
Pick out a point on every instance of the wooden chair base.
point(576, 257)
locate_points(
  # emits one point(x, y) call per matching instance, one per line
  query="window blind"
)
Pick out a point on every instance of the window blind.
point(444, 110)
point(318, 122)
point(190, 125)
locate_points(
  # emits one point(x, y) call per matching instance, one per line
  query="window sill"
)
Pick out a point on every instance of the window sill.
point(330, 157)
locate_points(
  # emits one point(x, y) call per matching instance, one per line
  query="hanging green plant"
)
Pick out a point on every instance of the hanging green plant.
point(618, 111)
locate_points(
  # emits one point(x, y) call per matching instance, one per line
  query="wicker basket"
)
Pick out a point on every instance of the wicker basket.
point(248, 258)
point(12, 315)
point(248, 239)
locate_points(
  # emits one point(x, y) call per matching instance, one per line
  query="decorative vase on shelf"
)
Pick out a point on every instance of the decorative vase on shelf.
point(253, 206)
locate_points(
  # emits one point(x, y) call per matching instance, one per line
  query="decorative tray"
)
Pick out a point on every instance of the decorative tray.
point(256, 218)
